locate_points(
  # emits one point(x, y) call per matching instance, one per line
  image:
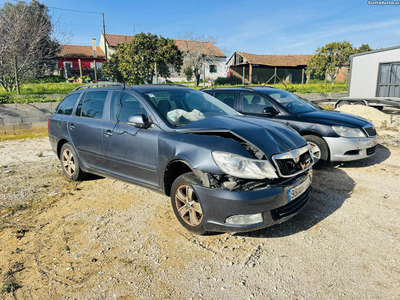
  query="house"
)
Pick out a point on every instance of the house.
point(261, 68)
point(375, 73)
point(73, 60)
point(212, 71)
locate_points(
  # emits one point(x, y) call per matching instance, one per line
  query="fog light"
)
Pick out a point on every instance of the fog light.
point(245, 219)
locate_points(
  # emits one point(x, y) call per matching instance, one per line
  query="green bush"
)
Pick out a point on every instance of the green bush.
point(231, 80)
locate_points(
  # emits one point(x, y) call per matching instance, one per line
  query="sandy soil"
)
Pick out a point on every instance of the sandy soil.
point(105, 239)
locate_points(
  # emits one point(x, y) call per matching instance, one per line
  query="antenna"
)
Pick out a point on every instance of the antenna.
point(134, 32)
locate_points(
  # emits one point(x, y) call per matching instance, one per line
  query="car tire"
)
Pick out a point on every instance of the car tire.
point(70, 163)
point(186, 203)
point(319, 150)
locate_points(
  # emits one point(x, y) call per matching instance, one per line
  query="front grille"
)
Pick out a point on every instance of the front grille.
point(370, 130)
point(371, 151)
point(289, 166)
point(292, 207)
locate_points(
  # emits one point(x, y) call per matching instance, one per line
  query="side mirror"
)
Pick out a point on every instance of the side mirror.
point(139, 120)
point(270, 111)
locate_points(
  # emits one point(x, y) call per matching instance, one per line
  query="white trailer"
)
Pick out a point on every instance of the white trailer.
point(374, 79)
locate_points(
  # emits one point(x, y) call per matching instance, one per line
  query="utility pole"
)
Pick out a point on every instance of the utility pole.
point(104, 32)
point(16, 75)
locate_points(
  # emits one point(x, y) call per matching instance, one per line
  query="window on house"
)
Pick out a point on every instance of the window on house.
point(213, 69)
point(67, 65)
point(389, 80)
point(98, 65)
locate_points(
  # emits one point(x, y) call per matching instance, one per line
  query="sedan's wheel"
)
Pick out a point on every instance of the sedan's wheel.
point(186, 203)
point(70, 163)
point(319, 150)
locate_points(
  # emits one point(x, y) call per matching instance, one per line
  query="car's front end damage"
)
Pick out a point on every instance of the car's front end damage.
point(261, 176)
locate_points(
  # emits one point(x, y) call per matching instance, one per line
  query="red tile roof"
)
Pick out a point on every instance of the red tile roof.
point(114, 39)
point(74, 51)
point(292, 60)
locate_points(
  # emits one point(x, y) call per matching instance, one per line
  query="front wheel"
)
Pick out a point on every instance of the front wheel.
point(319, 150)
point(70, 163)
point(186, 203)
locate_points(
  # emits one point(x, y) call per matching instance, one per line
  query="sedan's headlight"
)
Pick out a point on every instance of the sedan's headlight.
point(243, 167)
point(348, 132)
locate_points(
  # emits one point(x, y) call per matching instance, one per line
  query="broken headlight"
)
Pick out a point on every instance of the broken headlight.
point(348, 132)
point(243, 167)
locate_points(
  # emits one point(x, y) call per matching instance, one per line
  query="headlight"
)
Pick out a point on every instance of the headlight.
point(348, 132)
point(243, 167)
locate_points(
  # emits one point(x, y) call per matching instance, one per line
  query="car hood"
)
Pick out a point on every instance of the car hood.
point(335, 118)
point(268, 136)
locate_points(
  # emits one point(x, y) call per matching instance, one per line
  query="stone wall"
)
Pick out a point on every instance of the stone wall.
point(18, 118)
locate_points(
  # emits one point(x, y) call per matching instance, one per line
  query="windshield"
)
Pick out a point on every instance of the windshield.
point(291, 102)
point(180, 107)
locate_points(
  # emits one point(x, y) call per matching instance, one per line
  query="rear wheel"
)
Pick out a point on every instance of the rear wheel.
point(186, 203)
point(70, 163)
point(319, 150)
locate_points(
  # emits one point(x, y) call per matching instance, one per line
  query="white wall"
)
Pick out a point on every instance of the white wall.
point(364, 72)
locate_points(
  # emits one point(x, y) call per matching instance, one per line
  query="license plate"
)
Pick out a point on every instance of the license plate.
point(298, 190)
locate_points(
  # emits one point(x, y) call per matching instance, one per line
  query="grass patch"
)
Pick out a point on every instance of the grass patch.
point(32, 135)
point(10, 287)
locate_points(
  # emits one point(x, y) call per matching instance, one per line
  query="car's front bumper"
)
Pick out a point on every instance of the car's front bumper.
point(219, 204)
point(347, 149)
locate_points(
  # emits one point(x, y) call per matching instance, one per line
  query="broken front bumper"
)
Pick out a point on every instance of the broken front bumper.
point(273, 203)
point(347, 149)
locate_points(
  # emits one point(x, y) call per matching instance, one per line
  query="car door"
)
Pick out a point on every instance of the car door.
point(131, 151)
point(85, 128)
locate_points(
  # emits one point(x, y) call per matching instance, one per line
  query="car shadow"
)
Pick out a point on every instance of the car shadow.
point(382, 153)
point(330, 189)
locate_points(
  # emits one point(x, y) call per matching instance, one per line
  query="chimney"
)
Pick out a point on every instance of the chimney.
point(94, 47)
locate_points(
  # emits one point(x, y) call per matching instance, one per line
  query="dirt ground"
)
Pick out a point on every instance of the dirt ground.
point(105, 239)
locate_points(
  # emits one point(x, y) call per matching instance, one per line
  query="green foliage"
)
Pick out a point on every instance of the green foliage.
point(231, 80)
point(135, 62)
point(48, 79)
point(363, 48)
point(330, 58)
point(188, 73)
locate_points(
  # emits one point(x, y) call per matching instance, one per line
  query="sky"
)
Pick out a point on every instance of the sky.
point(256, 26)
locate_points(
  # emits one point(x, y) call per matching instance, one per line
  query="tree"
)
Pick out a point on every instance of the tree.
point(26, 46)
point(136, 62)
point(330, 58)
point(363, 48)
point(198, 51)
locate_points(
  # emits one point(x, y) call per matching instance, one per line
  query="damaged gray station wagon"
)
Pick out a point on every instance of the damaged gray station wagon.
point(223, 171)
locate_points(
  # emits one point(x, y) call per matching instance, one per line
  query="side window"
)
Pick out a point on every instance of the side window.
point(227, 97)
point(124, 105)
point(213, 69)
point(67, 105)
point(253, 103)
point(92, 105)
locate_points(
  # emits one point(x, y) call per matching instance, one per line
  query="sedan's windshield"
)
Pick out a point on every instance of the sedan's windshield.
point(291, 102)
point(181, 107)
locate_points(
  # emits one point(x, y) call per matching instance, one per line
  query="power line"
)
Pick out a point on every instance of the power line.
point(79, 11)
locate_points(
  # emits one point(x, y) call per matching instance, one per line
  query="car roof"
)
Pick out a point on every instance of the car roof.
point(241, 88)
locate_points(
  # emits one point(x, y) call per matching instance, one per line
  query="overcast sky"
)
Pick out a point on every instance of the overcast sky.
point(258, 26)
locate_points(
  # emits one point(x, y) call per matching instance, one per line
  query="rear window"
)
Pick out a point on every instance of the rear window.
point(67, 105)
point(92, 105)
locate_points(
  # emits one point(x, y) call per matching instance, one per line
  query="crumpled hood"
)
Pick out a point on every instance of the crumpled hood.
point(270, 137)
point(336, 118)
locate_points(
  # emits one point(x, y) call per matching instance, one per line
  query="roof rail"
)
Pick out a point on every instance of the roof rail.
point(173, 84)
point(100, 85)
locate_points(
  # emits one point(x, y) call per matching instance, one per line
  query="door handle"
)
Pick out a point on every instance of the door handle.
point(108, 133)
point(72, 126)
